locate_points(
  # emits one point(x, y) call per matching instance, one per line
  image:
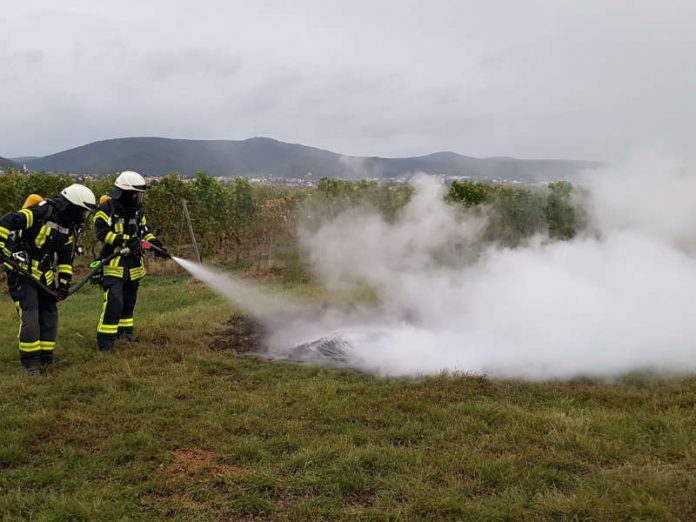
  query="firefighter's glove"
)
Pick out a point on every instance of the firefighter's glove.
point(135, 247)
point(63, 291)
point(161, 250)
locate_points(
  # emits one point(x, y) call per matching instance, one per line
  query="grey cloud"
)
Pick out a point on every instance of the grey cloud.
point(23, 57)
point(190, 62)
point(580, 79)
point(33, 56)
point(15, 65)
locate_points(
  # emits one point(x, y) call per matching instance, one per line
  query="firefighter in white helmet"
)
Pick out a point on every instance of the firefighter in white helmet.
point(38, 247)
point(120, 222)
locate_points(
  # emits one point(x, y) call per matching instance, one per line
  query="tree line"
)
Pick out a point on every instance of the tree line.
point(237, 219)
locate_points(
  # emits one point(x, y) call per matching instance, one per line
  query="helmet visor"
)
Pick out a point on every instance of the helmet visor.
point(131, 198)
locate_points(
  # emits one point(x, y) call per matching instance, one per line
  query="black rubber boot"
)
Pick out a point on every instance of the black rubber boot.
point(31, 363)
point(126, 334)
point(105, 344)
point(49, 359)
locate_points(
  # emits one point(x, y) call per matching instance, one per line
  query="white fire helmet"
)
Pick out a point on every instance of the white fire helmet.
point(80, 196)
point(130, 180)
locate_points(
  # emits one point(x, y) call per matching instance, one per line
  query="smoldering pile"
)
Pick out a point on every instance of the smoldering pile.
point(246, 336)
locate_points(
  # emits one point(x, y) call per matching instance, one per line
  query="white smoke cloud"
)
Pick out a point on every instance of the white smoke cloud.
point(650, 194)
point(616, 300)
point(360, 246)
point(601, 305)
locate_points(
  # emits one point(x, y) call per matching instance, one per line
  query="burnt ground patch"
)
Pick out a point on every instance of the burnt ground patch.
point(242, 335)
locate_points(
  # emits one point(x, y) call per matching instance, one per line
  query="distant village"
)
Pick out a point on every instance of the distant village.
point(309, 180)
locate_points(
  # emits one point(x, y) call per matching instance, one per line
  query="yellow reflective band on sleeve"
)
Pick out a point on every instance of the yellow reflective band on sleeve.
point(49, 277)
point(126, 323)
point(110, 238)
point(29, 215)
point(149, 237)
point(47, 345)
point(118, 227)
point(42, 236)
point(102, 215)
point(143, 220)
point(65, 269)
point(29, 347)
point(4, 233)
point(70, 241)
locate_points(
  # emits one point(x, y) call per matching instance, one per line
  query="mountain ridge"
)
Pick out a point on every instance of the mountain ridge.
point(268, 157)
point(6, 163)
point(23, 159)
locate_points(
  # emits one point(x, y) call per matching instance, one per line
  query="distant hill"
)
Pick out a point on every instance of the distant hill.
point(24, 159)
point(269, 157)
point(7, 164)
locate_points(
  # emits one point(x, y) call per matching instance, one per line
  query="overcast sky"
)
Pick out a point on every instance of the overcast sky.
point(534, 79)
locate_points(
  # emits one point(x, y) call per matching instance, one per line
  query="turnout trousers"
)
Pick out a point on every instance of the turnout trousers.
point(116, 320)
point(38, 321)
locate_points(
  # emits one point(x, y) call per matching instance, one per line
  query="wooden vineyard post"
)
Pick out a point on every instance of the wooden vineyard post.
point(187, 217)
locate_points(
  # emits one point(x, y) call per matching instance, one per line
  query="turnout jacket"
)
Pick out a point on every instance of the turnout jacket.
point(47, 238)
point(118, 226)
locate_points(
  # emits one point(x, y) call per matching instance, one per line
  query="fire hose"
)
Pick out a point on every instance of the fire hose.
point(26, 273)
point(95, 267)
point(159, 250)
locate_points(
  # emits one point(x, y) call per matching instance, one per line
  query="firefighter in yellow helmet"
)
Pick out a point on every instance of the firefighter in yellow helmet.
point(38, 246)
point(120, 222)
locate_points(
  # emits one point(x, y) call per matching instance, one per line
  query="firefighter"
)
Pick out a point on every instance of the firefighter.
point(33, 242)
point(120, 222)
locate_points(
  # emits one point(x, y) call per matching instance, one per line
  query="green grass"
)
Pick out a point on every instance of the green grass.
point(169, 429)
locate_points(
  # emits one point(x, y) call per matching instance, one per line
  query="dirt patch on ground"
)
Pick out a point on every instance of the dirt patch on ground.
point(188, 463)
point(241, 335)
point(190, 470)
point(366, 499)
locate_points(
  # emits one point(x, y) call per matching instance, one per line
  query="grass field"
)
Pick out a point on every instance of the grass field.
point(169, 429)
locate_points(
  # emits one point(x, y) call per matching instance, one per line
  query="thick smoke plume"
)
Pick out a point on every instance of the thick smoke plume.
point(613, 301)
point(616, 299)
